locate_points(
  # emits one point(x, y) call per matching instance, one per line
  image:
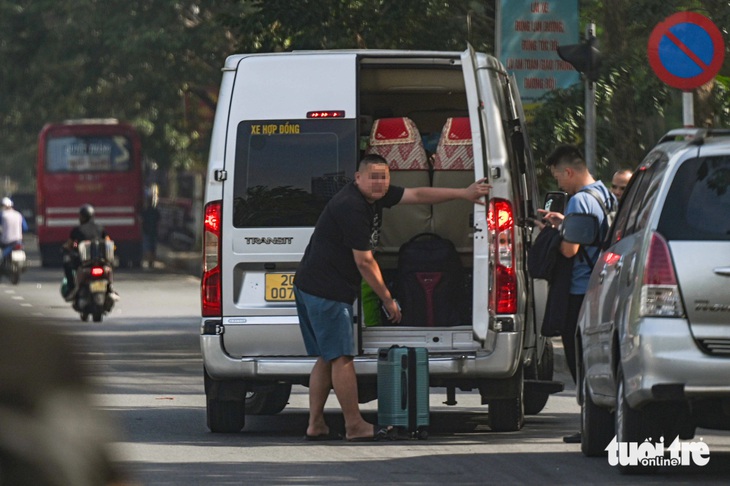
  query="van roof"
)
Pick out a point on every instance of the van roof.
point(233, 60)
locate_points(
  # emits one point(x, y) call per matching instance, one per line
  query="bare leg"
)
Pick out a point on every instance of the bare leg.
point(320, 384)
point(344, 381)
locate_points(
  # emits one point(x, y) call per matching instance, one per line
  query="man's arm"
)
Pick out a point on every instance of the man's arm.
point(434, 195)
point(370, 271)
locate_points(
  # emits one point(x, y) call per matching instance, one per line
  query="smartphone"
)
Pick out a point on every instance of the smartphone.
point(555, 201)
point(385, 311)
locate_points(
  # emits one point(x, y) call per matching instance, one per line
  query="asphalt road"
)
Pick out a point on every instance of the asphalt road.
point(145, 365)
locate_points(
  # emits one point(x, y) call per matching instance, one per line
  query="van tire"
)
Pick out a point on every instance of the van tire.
point(225, 405)
point(268, 400)
point(508, 414)
point(543, 371)
point(226, 416)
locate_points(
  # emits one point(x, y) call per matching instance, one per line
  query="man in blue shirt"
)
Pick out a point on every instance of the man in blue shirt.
point(569, 169)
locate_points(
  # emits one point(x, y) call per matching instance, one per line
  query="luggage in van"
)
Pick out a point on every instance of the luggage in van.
point(429, 282)
point(403, 385)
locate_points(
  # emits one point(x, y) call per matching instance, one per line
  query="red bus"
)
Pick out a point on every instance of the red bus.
point(95, 161)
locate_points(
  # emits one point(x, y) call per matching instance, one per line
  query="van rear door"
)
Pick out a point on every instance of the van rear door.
point(481, 107)
point(291, 145)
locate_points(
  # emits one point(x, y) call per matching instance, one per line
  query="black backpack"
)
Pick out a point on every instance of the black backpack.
point(430, 282)
point(543, 253)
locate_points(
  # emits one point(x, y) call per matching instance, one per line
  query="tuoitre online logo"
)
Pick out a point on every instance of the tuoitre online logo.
point(654, 454)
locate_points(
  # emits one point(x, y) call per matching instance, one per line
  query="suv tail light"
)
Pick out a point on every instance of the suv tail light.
point(659, 290)
point(503, 294)
point(210, 284)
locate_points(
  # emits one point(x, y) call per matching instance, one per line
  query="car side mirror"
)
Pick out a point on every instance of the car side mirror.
point(555, 201)
point(581, 228)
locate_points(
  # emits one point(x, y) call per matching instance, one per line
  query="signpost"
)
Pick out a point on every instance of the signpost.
point(686, 51)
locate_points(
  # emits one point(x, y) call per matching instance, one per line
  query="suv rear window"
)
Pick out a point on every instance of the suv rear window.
point(287, 170)
point(698, 202)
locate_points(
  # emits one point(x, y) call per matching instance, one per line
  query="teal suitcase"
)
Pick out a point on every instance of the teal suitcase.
point(403, 389)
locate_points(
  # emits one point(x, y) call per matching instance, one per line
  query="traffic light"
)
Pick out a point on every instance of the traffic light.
point(584, 57)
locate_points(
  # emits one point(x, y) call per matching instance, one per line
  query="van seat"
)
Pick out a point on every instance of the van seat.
point(399, 142)
point(453, 166)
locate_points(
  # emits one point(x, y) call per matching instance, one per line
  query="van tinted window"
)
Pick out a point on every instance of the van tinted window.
point(698, 202)
point(287, 170)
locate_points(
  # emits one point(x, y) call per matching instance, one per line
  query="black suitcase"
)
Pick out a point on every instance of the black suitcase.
point(403, 390)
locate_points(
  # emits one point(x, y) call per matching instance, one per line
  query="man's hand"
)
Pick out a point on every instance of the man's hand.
point(555, 219)
point(393, 310)
point(477, 191)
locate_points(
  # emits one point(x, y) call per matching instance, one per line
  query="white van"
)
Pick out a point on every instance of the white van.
point(289, 131)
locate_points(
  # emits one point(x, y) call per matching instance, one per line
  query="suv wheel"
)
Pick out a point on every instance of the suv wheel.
point(633, 426)
point(596, 423)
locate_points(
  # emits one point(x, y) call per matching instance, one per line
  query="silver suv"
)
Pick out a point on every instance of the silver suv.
point(653, 343)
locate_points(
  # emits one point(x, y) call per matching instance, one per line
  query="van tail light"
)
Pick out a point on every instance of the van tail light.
point(210, 284)
point(659, 291)
point(501, 224)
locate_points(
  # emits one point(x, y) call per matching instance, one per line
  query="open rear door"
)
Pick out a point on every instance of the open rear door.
point(475, 89)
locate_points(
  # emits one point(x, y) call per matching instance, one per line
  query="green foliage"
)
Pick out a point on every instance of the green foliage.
point(157, 64)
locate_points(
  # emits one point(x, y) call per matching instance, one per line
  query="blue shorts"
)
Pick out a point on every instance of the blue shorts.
point(326, 326)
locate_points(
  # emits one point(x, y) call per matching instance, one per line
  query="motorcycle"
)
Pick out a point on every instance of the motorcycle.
point(13, 262)
point(93, 293)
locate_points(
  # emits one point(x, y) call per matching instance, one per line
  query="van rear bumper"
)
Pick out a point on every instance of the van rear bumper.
point(498, 364)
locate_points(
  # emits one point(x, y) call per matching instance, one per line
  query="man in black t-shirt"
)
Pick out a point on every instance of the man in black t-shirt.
point(339, 256)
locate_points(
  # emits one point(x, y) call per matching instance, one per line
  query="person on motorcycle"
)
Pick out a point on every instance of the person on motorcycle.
point(13, 225)
point(86, 230)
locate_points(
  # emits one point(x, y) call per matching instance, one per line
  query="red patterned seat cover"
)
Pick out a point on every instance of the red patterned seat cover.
point(399, 142)
point(454, 150)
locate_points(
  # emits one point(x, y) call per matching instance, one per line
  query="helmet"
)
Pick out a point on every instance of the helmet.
point(7, 202)
point(86, 212)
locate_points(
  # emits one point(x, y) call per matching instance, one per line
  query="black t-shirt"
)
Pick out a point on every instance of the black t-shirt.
point(87, 231)
point(348, 222)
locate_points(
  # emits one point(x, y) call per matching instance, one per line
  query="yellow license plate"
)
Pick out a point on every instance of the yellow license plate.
point(98, 286)
point(279, 287)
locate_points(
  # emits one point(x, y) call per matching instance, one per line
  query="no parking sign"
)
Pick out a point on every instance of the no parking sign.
point(686, 50)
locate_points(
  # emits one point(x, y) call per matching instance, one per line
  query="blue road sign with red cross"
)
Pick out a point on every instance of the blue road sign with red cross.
point(686, 50)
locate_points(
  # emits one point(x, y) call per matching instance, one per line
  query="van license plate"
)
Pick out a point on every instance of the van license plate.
point(279, 287)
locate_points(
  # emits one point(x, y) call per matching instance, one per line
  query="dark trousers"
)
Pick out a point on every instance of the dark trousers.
point(568, 334)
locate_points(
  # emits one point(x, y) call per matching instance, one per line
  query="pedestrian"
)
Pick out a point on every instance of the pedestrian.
point(619, 182)
point(339, 256)
point(569, 169)
point(150, 221)
point(13, 225)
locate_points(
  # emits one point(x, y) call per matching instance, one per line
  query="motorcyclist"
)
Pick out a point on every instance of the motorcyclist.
point(86, 230)
point(13, 225)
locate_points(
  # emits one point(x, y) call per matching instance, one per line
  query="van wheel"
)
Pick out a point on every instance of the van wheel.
point(596, 424)
point(508, 414)
point(268, 400)
point(633, 426)
point(226, 416)
point(543, 371)
point(225, 406)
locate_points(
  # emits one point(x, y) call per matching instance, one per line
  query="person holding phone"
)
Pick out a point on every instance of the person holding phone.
point(570, 171)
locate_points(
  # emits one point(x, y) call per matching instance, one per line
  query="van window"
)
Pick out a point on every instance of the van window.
point(698, 202)
point(287, 170)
